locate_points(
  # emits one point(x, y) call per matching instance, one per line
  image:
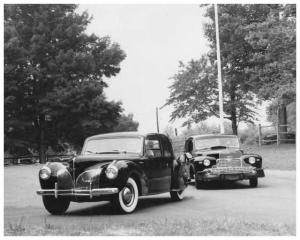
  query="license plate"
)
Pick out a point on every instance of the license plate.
point(230, 177)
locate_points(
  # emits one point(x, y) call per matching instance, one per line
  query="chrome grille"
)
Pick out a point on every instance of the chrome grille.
point(231, 170)
point(235, 162)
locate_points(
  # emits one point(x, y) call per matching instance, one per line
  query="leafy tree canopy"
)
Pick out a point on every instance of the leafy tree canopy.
point(54, 75)
point(273, 64)
point(126, 123)
point(252, 57)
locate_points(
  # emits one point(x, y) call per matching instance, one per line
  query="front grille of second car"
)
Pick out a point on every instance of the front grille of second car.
point(229, 163)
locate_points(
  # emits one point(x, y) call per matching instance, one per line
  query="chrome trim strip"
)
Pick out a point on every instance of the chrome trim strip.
point(56, 193)
point(78, 192)
point(91, 193)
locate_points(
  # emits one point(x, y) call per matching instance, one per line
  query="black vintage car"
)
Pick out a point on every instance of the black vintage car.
point(118, 167)
point(220, 157)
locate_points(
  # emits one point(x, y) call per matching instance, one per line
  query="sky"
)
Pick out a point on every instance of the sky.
point(155, 38)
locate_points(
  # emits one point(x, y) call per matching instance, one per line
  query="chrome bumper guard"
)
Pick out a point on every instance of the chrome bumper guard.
point(230, 170)
point(220, 173)
point(96, 192)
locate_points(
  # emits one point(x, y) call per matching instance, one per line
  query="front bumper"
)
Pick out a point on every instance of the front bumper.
point(229, 173)
point(96, 192)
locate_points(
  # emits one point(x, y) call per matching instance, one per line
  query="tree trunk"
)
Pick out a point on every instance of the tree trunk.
point(234, 125)
point(282, 123)
point(42, 148)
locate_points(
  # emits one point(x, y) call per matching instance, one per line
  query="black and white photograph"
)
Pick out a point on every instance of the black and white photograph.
point(149, 119)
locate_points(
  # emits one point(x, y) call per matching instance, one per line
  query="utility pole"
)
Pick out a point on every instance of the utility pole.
point(157, 125)
point(219, 71)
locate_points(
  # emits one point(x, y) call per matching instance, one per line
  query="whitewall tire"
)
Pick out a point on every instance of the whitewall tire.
point(127, 199)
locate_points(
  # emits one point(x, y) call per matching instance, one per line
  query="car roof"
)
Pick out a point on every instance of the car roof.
point(212, 135)
point(122, 134)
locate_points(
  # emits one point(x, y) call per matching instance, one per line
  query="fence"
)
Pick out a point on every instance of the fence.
point(276, 136)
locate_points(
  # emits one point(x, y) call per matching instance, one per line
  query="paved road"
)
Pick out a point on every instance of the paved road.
point(274, 201)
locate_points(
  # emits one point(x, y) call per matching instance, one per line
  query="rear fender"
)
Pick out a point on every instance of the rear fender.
point(180, 175)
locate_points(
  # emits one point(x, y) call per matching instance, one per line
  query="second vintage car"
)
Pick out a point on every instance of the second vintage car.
point(118, 167)
point(220, 157)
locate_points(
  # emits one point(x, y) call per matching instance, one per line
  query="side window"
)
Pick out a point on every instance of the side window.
point(153, 148)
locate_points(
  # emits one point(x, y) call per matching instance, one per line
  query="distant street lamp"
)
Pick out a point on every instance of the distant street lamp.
point(219, 71)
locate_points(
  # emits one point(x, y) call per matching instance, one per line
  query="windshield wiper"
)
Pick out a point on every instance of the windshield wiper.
point(219, 146)
point(206, 148)
point(111, 152)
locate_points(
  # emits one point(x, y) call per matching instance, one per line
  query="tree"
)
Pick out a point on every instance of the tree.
point(273, 72)
point(237, 52)
point(54, 74)
point(194, 94)
point(126, 123)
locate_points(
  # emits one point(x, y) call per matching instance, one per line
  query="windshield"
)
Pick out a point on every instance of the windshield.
point(114, 145)
point(207, 143)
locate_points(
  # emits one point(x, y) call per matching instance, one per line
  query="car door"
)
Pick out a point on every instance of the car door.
point(155, 166)
point(166, 163)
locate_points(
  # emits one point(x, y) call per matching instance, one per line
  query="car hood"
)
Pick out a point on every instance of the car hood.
point(221, 153)
point(85, 162)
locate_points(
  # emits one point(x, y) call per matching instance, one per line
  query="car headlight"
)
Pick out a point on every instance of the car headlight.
point(111, 172)
point(45, 173)
point(251, 160)
point(206, 162)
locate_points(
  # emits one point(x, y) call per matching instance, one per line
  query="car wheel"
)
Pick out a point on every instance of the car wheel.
point(127, 199)
point(177, 195)
point(56, 206)
point(199, 184)
point(253, 182)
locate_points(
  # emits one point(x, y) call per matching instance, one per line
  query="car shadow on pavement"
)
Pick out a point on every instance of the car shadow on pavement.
point(226, 185)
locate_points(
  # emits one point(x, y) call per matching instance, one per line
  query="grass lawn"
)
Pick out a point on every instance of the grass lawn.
point(282, 157)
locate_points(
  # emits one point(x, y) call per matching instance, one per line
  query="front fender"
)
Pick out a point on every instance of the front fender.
point(257, 164)
point(126, 169)
point(60, 174)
